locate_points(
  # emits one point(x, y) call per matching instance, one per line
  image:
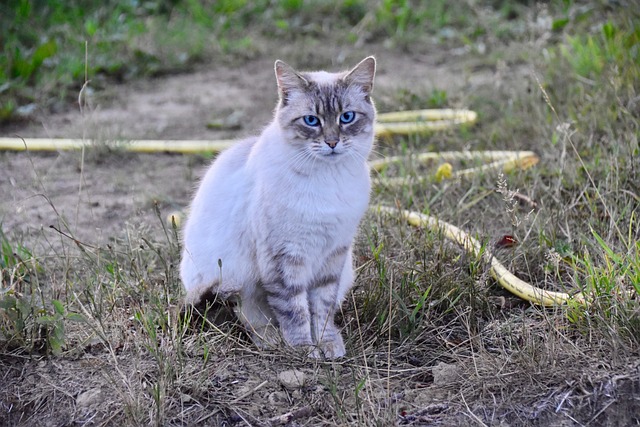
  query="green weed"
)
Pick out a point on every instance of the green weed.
point(611, 282)
point(30, 319)
point(614, 46)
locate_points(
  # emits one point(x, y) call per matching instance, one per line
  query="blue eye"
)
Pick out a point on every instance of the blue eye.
point(311, 121)
point(347, 117)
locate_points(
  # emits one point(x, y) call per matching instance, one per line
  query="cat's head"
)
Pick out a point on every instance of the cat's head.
point(330, 116)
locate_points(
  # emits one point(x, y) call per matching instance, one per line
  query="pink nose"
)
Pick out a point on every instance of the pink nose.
point(332, 143)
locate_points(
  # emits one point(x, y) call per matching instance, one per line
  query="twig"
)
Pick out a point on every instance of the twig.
point(389, 318)
point(601, 411)
point(250, 392)
point(76, 241)
point(207, 416)
point(470, 412)
point(566, 395)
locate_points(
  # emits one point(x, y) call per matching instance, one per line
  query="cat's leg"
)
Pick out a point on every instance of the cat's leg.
point(346, 278)
point(325, 295)
point(257, 317)
point(285, 278)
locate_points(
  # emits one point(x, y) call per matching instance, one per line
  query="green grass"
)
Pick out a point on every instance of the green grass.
point(32, 319)
point(49, 48)
point(85, 316)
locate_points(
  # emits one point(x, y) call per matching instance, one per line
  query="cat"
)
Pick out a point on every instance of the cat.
point(273, 220)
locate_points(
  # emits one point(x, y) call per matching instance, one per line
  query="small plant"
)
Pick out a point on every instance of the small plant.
point(16, 315)
point(32, 327)
point(591, 55)
point(52, 325)
point(28, 321)
point(611, 281)
point(438, 99)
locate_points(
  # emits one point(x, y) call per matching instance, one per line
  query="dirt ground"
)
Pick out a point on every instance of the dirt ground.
point(107, 192)
point(98, 193)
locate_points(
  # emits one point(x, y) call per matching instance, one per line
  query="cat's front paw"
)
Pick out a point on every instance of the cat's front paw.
point(329, 350)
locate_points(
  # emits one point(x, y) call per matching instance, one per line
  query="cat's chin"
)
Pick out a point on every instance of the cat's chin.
point(331, 157)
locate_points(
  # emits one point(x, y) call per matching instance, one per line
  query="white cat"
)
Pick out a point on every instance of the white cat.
point(279, 212)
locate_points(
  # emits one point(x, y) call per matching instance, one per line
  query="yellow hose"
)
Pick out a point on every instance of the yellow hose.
point(507, 280)
point(507, 160)
point(395, 123)
point(420, 121)
point(141, 146)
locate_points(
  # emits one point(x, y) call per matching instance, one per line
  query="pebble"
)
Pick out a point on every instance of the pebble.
point(445, 374)
point(88, 398)
point(292, 379)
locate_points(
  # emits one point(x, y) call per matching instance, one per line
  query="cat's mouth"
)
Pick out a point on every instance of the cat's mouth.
point(329, 154)
point(333, 154)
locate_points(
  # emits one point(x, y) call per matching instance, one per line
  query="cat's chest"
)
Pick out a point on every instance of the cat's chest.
point(332, 192)
point(330, 198)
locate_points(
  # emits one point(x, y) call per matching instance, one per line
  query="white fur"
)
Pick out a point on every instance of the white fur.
point(254, 179)
point(276, 193)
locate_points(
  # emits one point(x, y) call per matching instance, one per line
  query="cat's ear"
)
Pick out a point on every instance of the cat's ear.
point(288, 79)
point(363, 74)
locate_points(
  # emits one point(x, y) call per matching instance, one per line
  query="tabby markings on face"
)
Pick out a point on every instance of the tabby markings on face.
point(333, 121)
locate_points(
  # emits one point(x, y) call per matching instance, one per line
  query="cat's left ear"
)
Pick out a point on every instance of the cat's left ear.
point(288, 79)
point(363, 74)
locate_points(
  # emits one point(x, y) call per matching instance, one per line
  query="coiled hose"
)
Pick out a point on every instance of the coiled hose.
point(389, 124)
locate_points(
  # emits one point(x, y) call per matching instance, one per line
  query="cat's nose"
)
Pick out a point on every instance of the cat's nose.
point(331, 142)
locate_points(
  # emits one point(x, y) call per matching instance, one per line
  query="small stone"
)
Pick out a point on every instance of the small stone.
point(292, 379)
point(278, 399)
point(445, 374)
point(88, 398)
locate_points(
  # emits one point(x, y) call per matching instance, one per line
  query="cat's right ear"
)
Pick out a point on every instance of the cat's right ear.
point(288, 80)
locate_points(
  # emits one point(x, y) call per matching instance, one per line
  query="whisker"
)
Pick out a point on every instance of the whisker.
point(298, 160)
